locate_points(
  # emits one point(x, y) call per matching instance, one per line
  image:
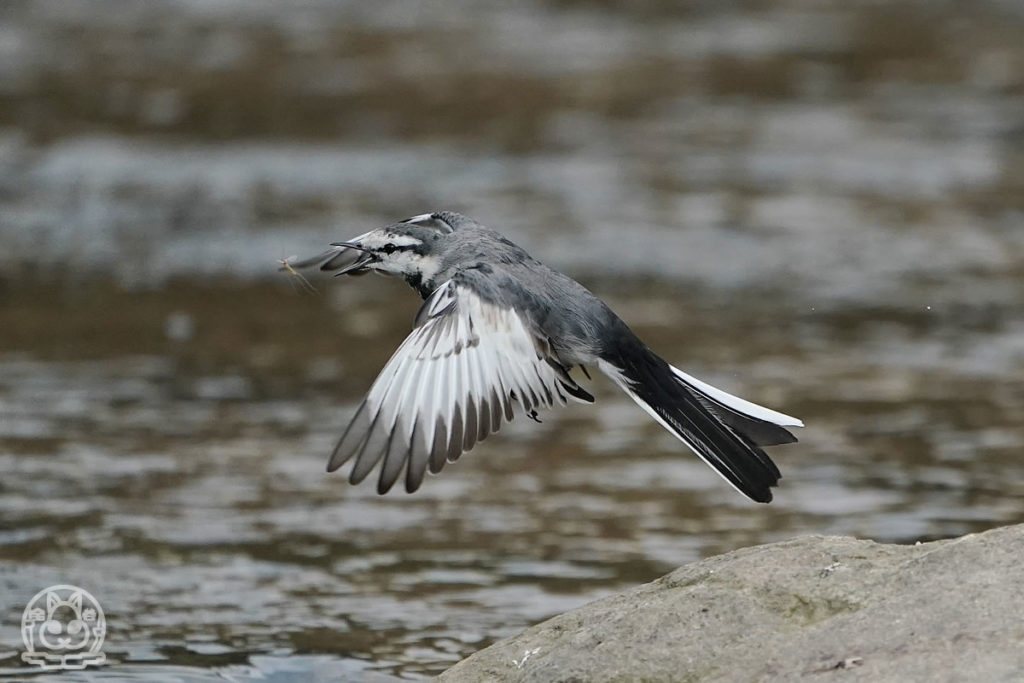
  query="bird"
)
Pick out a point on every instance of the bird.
point(499, 334)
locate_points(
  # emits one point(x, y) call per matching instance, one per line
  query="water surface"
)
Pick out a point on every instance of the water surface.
point(802, 203)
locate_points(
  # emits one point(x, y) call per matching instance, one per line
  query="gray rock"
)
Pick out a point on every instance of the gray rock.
point(816, 608)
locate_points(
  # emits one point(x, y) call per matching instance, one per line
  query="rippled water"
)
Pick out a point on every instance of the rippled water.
point(794, 201)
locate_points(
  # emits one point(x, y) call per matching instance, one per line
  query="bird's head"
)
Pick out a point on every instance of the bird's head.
point(419, 249)
point(411, 248)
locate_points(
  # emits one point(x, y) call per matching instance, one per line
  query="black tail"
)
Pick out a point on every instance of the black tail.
point(693, 418)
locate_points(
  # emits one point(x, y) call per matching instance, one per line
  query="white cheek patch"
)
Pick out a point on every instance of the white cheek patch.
point(429, 266)
point(408, 263)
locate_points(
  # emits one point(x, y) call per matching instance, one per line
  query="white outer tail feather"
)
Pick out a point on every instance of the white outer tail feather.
point(738, 404)
point(617, 377)
point(734, 402)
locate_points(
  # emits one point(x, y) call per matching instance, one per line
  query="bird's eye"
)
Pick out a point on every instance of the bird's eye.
point(389, 248)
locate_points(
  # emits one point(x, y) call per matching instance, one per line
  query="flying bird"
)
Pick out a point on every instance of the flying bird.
point(499, 334)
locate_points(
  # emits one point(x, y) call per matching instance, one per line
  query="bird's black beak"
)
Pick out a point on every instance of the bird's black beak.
point(347, 258)
point(358, 265)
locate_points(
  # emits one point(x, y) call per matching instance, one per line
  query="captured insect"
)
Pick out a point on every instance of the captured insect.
point(304, 284)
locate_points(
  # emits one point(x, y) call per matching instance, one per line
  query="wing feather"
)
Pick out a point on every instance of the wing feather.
point(424, 443)
point(403, 430)
point(467, 375)
point(450, 384)
point(443, 414)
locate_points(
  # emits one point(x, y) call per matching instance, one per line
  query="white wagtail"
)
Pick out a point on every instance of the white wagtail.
point(499, 328)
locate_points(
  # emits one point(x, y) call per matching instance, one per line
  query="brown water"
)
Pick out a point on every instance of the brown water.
point(808, 204)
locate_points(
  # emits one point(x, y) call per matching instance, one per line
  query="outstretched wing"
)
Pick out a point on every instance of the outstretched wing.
point(450, 384)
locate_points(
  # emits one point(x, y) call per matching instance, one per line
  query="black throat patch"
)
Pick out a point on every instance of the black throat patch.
point(416, 281)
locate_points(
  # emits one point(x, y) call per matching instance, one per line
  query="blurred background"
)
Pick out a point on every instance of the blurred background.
point(816, 205)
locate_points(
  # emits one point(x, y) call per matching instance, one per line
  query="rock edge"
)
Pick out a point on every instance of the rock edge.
point(816, 608)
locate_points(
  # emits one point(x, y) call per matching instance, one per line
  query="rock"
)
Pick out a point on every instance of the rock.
point(815, 608)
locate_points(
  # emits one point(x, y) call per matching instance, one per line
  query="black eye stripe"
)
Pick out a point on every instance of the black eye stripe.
point(391, 247)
